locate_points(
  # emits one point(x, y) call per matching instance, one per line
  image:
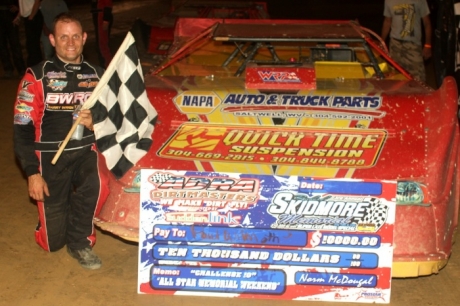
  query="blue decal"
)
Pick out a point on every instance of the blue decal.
point(229, 280)
point(355, 188)
point(336, 279)
point(265, 256)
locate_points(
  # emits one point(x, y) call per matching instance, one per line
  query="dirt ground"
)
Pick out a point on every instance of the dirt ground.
point(30, 276)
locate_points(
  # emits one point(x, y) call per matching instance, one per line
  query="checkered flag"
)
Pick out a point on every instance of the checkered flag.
point(122, 114)
point(160, 177)
point(376, 213)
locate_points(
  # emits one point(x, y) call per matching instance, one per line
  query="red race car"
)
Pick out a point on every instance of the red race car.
point(304, 98)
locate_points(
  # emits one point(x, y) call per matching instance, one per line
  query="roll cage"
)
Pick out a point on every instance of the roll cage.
point(314, 41)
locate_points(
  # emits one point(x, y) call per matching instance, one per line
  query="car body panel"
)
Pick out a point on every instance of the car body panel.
point(323, 115)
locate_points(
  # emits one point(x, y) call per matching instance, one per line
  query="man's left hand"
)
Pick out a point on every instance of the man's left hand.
point(86, 118)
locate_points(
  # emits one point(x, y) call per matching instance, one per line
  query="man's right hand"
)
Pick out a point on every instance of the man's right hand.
point(37, 187)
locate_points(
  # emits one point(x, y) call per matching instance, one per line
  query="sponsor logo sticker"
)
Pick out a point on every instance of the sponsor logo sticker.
point(25, 96)
point(56, 75)
point(22, 118)
point(57, 85)
point(88, 84)
point(22, 108)
point(86, 76)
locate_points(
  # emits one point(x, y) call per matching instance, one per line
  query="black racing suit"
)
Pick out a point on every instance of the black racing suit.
point(47, 96)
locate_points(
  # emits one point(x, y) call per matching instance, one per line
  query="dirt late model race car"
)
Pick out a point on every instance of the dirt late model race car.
point(316, 99)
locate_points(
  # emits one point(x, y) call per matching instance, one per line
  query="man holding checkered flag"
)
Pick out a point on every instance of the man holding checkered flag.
point(69, 192)
point(123, 118)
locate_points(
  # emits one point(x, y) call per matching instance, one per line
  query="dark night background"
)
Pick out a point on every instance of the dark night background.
point(369, 13)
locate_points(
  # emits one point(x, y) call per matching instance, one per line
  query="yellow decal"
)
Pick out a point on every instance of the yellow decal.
point(312, 147)
point(197, 102)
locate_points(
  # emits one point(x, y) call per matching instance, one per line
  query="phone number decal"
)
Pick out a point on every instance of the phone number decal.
point(301, 146)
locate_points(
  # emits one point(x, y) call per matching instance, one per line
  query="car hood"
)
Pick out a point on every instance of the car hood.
point(368, 129)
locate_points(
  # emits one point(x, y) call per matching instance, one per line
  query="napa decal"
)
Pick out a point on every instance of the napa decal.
point(315, 106)
point(279, 76)
point(202, 102)
point(312, 147)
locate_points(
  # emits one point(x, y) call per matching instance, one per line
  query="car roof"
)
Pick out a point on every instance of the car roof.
point(317, 31)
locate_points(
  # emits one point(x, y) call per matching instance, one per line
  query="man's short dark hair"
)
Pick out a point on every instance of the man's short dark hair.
point(65, 17)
